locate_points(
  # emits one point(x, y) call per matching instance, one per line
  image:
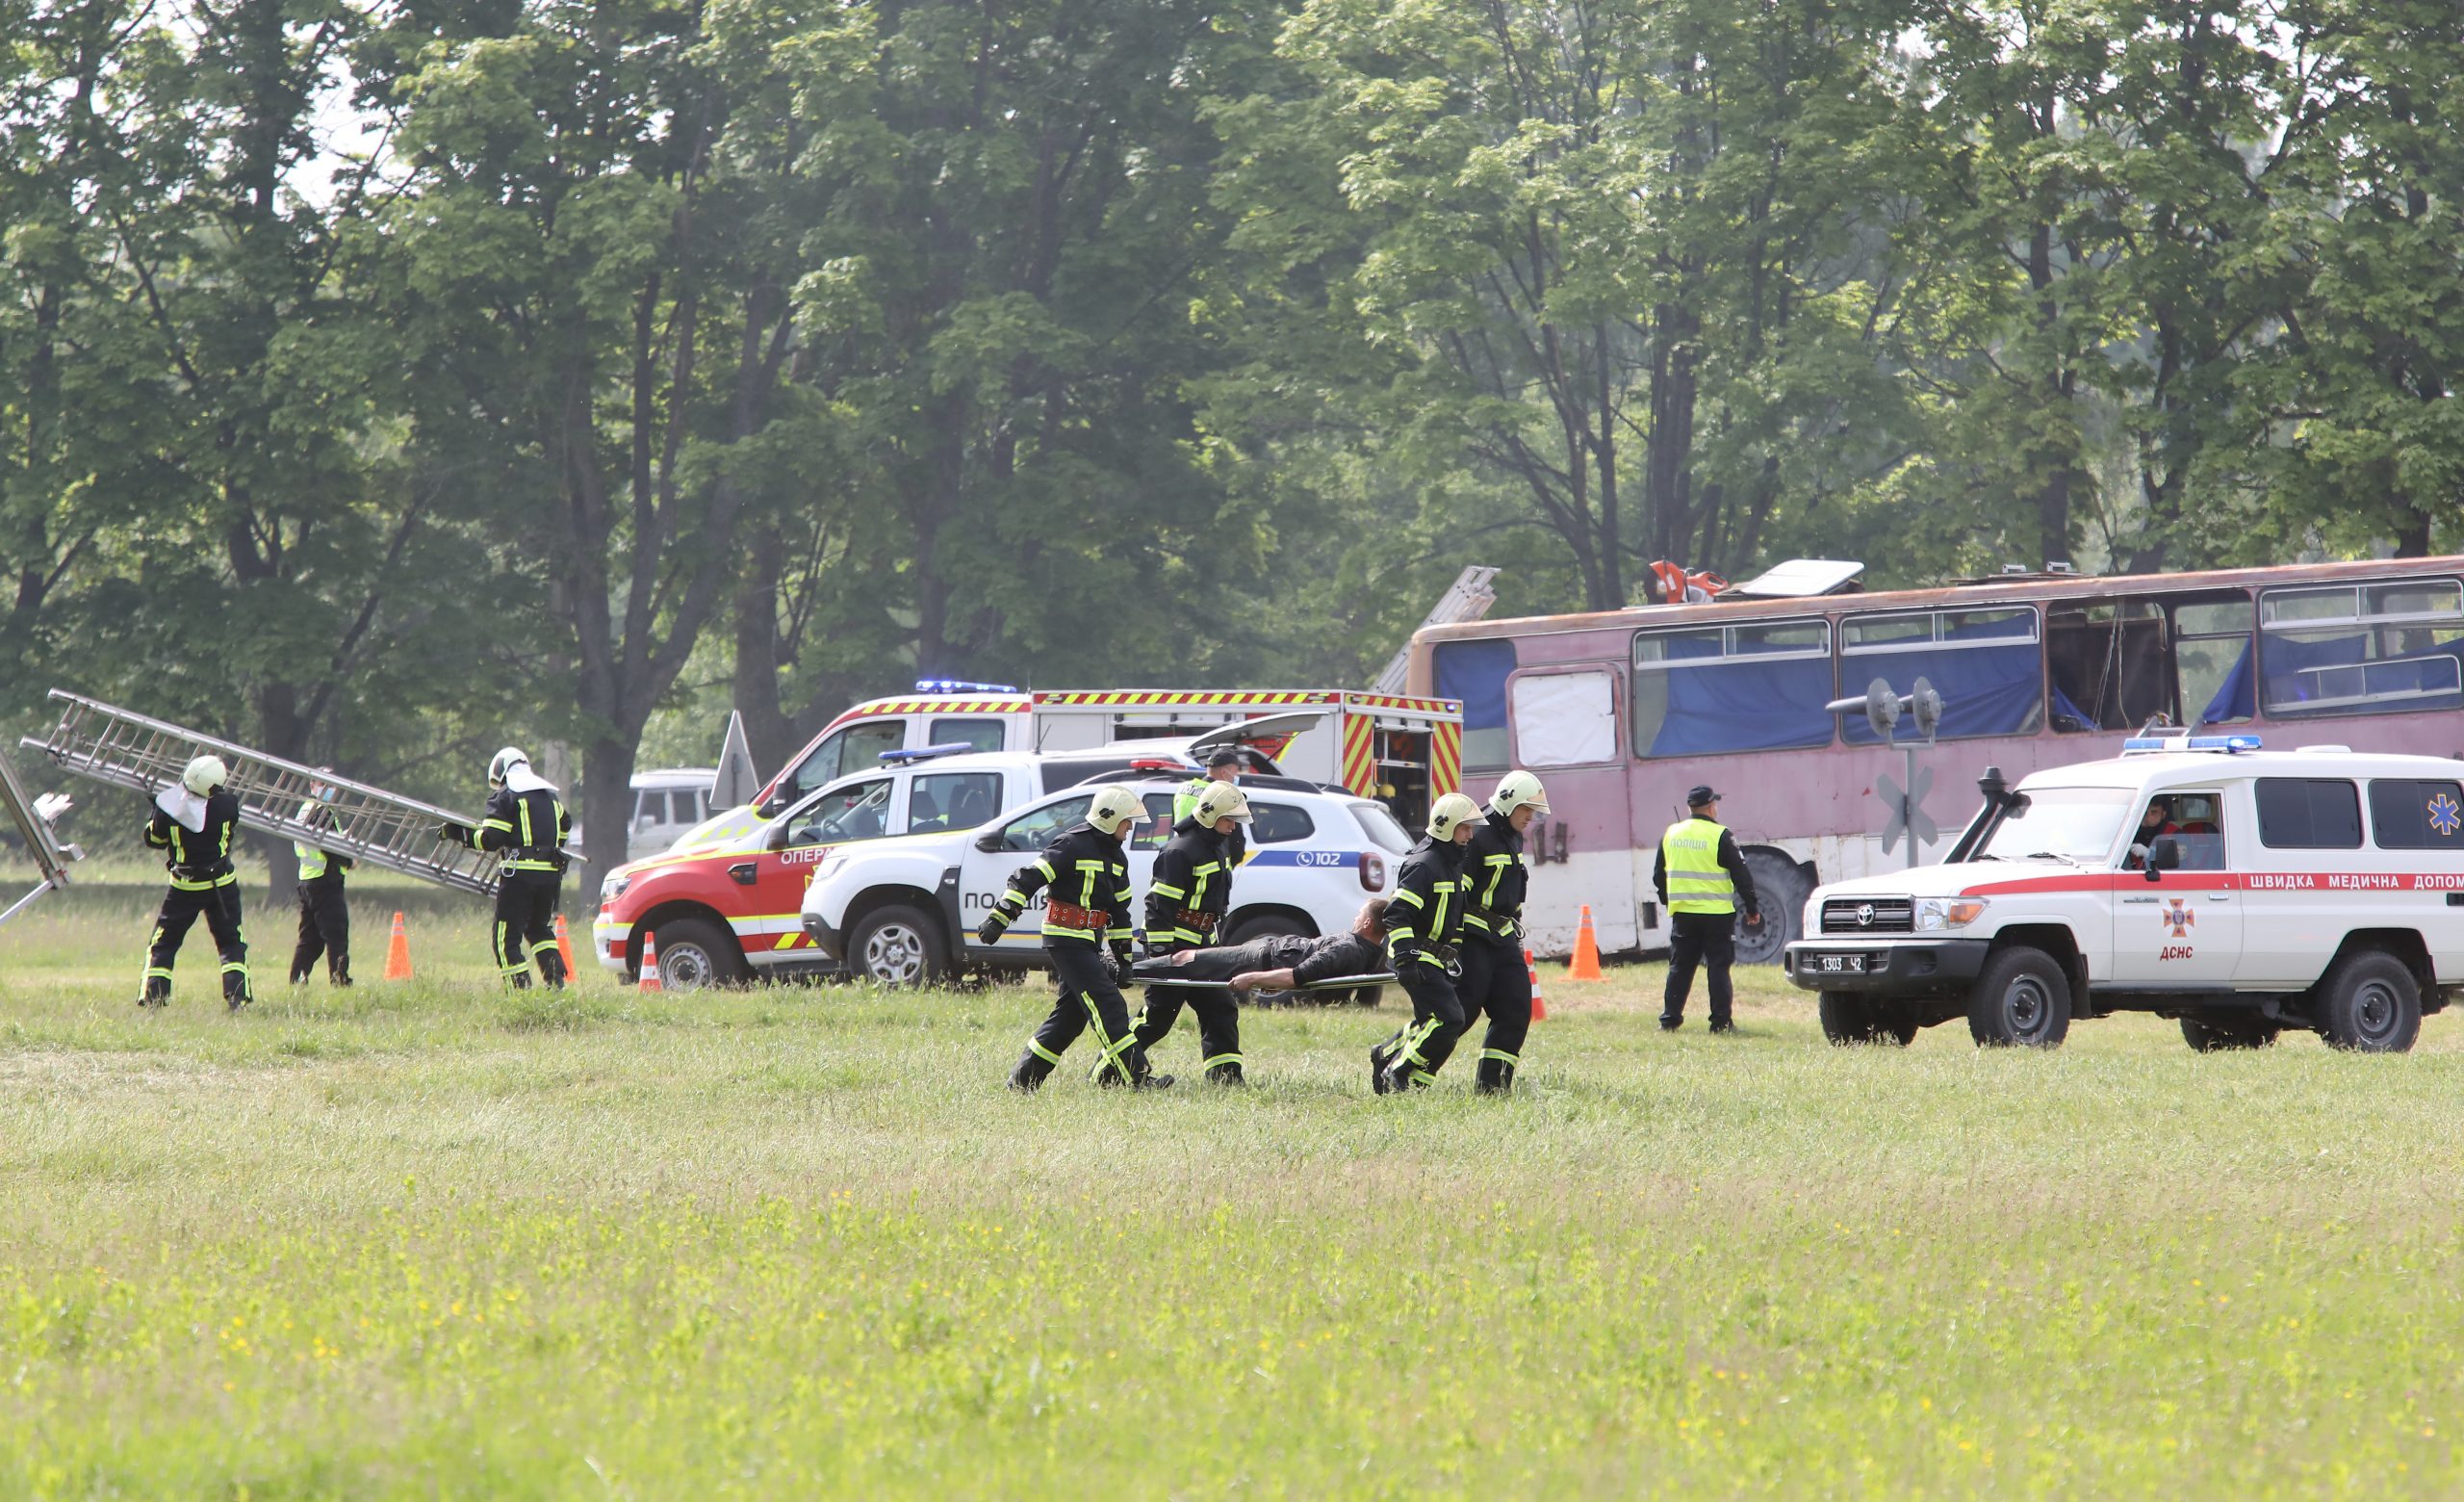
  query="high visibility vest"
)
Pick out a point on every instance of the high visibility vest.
point(1697, 882)
point(1185, 801)
point(312, 860)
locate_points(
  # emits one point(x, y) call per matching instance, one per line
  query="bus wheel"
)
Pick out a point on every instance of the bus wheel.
point(2214, 1035)
point(1781, 889)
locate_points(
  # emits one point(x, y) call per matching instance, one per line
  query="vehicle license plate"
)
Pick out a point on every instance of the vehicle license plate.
point(1843, 963)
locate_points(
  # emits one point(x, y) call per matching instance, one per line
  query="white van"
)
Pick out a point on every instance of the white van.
point(2240, 891)
point(666, 803)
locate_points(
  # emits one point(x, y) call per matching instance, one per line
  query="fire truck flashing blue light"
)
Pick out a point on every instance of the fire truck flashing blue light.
point(2229, 744)
point(961, 685)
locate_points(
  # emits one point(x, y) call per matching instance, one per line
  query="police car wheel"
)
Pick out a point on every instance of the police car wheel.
point(2370, 1003)
point(694, 955)
point(897, 946)
point(2220, 1035)
point(2022, 1001)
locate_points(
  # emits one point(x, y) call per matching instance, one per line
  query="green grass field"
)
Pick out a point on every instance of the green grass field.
point(430, 1239)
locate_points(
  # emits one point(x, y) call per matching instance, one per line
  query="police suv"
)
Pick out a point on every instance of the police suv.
point(2204, 878)
point(904, 911)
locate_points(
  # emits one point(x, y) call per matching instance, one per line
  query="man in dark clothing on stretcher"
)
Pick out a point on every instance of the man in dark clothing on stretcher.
point(1281, 962)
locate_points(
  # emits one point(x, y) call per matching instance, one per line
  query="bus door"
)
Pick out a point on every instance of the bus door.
point(1565, 723)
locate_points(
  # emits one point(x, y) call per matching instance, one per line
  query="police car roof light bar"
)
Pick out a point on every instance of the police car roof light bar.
point(926, 753)
point(2228, 745)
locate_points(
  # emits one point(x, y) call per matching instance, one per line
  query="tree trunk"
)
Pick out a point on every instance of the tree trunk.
point(767, 730)
point(607, 815)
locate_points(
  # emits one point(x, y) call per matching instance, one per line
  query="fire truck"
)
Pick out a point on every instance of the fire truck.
point(1403, 751)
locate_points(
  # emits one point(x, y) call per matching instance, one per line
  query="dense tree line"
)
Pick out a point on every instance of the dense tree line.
point(379, 383)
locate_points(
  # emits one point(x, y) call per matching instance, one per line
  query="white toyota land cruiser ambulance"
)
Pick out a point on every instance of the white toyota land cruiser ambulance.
point(2200, 877)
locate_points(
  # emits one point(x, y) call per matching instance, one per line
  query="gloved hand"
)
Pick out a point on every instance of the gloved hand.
point(996, 924)
point(456, 834)
point(1145, 949)
point(1120, 961)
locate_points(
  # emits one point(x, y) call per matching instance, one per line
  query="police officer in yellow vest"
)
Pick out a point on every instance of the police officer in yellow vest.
point(1701, 878)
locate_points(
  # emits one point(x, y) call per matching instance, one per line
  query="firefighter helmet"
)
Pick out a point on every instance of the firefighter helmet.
point(1220, 801)
point(1114, 810)
point(505, 762)
point(1450, 814)
point(1516, 790)
point(203, 774)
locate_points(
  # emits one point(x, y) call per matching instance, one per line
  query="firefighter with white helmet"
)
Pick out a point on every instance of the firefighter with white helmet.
point(1423, 928)
point(1186, 895)
point(1085, 874)
point(1496, 979)
point(527, 826)
point(193, 826)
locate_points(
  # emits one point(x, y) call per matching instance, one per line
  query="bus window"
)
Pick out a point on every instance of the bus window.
point(1564, 719)
point(1985, 665)
point(1763, 687)
point(1475, 672)
point(2108, 664)
point(2361, 649)
point(2212, 659)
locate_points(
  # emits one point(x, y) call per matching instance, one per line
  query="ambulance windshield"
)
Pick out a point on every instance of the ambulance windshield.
point(2073, 824)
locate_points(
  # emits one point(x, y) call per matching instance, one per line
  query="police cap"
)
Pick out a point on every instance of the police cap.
point(1226, 757)
point(1701, 795)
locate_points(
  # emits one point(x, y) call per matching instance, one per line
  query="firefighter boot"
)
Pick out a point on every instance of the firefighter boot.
point(235, 989)
point(158, 991)
point(552, 967)
point(1227, 1073)
point(337, 968)
point(1032, 1069)
point(1496, 1076)
point(1380, 1058)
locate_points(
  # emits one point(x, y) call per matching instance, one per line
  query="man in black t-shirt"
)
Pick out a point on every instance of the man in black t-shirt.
point(1281, 962)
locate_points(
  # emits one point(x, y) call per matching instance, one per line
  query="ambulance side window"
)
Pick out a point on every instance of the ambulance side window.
point(2309, 813)
point(2409, 814)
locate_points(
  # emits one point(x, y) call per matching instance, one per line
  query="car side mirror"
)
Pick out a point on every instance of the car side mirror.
point(2165, 854)
point(989, 841)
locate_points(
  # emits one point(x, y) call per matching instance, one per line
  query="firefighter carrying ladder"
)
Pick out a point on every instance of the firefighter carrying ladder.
point(370, 825)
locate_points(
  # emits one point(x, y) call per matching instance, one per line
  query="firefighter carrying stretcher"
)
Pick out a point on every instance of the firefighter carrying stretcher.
point(1187, 897)
point(1085, 914)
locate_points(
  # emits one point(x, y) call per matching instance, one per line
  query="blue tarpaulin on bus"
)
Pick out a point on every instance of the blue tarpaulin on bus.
point(2287, 674)
point(2234, 699)
point(1985, 691)
point(1746, 707)
point(1476, 673)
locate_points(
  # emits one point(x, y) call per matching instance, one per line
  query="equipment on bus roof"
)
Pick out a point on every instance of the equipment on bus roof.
point(1800, 579)
point(1673, 584)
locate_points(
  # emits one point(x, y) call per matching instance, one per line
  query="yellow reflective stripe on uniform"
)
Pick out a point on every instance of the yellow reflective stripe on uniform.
point(522, 803)
point(1501, 1055)
point(1042, 1053)
point(1221, 1058)
point(1045, 866)
point(1167, 889)
point(1407, 895)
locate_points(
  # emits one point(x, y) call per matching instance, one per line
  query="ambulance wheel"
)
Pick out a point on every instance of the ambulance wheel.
point(1782, 889)
point(2023, 1000)
point(2214, 1035)
point(2370, 1003)
point(898, 947)
point(695, 955)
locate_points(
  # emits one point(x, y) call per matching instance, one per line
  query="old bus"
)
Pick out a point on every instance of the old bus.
point(1621, 711)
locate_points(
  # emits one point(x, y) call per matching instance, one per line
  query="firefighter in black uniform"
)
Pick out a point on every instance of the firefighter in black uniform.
point(324, 913)
point(1086, 912)
point(526, 825)
point(1424, 924)
point(1187, 897)
point(195, 834)
point(1496, 979)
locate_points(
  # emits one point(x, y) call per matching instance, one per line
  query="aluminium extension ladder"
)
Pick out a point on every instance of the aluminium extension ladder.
point(37, 820)
point(1467, 599)
point(370, 825)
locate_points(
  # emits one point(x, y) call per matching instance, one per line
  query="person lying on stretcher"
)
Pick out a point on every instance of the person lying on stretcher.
point(1281, 962)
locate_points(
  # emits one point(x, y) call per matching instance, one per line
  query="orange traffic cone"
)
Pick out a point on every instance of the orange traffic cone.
point(648, 980)
point(565, 946)
point(1585, 964)
point(398, 952)
point(1539, 1003)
